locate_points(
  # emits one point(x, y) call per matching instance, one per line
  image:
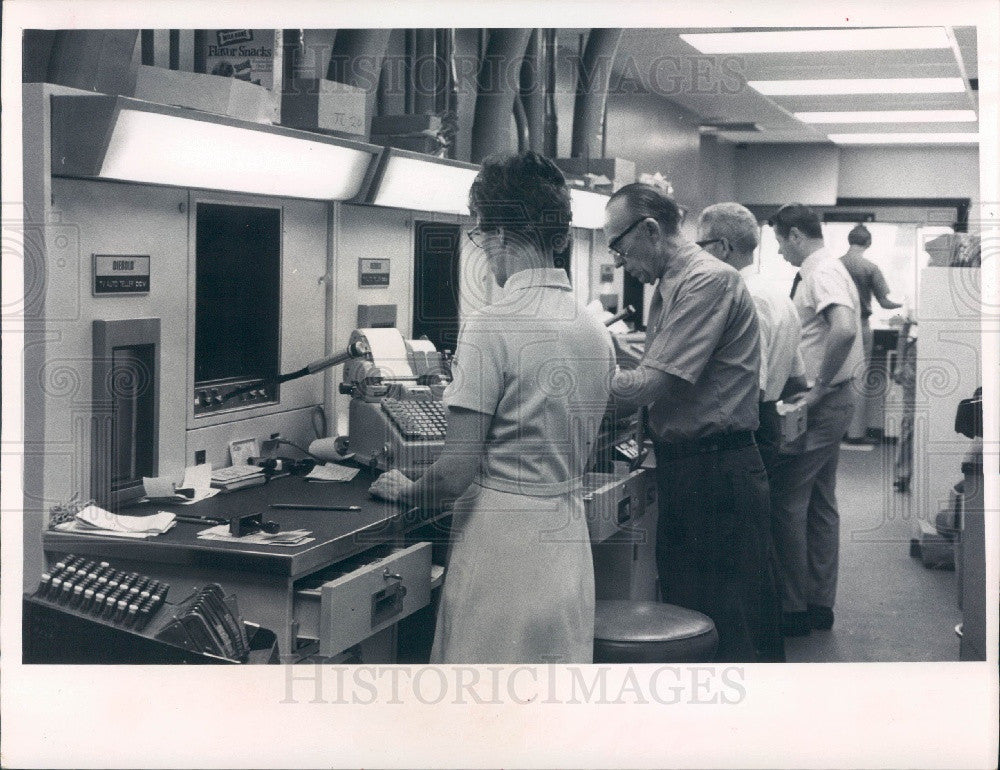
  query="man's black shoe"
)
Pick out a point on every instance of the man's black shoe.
point(795, 623)
point(820, 618)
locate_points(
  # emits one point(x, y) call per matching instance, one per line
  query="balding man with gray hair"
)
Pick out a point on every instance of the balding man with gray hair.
point(731, 233)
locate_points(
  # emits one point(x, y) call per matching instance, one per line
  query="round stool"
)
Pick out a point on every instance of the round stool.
point(651, 632)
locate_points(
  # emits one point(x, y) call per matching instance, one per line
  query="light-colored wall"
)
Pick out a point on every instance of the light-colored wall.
point(819, 174)
point(909, 172)
point(783, 173)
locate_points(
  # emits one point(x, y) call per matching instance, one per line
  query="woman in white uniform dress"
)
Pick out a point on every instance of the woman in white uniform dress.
point(530, 384)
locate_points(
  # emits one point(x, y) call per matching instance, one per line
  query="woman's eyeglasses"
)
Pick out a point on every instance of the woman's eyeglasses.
point(478, 237)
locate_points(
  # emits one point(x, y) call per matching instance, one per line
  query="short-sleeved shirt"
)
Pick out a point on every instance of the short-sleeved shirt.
point(825, 282)
point(541, 365)
point(780, 334)
point(868, 280)
point(703, 329)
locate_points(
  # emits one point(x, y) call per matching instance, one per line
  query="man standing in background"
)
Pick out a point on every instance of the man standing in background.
point(869, 281)
point(729, 232)
point(805, 516)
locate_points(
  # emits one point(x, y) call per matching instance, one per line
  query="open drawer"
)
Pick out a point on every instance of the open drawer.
point(613, 502)
point(350, 608)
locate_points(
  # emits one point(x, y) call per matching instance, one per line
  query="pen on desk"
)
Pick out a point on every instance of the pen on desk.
point(201, 519)
point(303, 507)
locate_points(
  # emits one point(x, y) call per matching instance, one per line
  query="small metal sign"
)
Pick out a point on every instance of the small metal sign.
point(121, 274)
point(373, 273)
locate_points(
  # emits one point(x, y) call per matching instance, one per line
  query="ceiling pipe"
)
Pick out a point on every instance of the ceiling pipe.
point(497, 89)
point(550, 123)
point(426, 68)
point(592, 91)
point(532, 97)
point(521, 125)
point(356, 57)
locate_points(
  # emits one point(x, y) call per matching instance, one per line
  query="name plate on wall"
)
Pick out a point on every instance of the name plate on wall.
point(120, 274)
point(373, 273)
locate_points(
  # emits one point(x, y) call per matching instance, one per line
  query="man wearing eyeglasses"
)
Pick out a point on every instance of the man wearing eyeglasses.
point(699, 377)
point(730, 232)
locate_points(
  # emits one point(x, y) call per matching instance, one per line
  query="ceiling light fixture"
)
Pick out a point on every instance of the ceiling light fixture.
point(853, 86)
point(916, 138)
point(817, 40)
point(890, 116)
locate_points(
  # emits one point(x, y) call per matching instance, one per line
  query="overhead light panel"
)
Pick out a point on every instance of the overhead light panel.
point(819, 40)
point(411, 180)
point(890, 116)
point(854, 86)
point(915, 138)
point(109, 137)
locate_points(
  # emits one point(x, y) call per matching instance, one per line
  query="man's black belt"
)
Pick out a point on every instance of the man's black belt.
point(719, 442)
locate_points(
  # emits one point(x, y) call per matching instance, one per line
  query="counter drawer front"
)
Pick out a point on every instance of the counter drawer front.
point(617, 504)
point(363, 602)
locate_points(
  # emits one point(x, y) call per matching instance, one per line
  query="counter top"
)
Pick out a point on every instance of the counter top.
point(338, 534)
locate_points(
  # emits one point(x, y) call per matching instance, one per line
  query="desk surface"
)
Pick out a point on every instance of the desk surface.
point(338, 534)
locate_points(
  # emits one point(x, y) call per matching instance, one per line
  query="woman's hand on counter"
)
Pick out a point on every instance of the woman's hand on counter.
point(392, 485)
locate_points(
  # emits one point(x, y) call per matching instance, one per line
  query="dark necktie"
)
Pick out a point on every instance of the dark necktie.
point(795, 285)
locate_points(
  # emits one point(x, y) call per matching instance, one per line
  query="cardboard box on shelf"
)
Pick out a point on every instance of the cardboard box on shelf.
point(209, 93)
point(324, 105)
point(618, 170)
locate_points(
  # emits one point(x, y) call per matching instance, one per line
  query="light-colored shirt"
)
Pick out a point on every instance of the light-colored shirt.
point(780, 334)
point(868, 280)
point(541, 365)
point(703, 329)
point(826, 282)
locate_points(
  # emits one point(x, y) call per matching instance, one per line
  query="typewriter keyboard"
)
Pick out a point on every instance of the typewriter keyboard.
point(417, 420)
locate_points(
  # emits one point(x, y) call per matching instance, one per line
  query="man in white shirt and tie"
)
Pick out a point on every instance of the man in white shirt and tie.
point(805, 517)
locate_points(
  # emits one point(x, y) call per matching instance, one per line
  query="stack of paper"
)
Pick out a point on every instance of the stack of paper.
point(332, 472)
point(290, 537)
point(93, 520)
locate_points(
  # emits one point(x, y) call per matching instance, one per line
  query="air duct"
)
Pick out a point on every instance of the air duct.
point(94, 60)
point(533, 91)
point(495, 98)
point(551, 120)
point(592, 92)
point(356, 58)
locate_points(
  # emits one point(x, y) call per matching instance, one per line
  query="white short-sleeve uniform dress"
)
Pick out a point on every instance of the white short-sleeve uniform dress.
point(519, 587)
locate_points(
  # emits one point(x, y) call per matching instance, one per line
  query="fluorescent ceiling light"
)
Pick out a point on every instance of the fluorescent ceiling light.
point(163, 149)
point(588, 208)
point(836, 87)
point(424, 185)
point(890, 116)
point(815, 40)
point(916, 138)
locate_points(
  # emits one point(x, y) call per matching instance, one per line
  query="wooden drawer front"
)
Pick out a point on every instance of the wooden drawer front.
point(349, 609)
point(616, 504)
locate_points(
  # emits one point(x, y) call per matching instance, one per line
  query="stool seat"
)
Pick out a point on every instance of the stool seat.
point(651, 632)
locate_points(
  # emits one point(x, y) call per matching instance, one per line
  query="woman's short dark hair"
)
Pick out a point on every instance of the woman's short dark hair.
point(796, 215)
point(526, 195)
point(646, 200)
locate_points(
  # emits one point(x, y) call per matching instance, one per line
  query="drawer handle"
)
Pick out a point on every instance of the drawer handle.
point(389, 601)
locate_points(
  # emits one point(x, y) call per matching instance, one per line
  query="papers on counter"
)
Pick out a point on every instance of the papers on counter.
point(288, 538)
point(332, 472)
point(94, 520)
point(196, 477)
